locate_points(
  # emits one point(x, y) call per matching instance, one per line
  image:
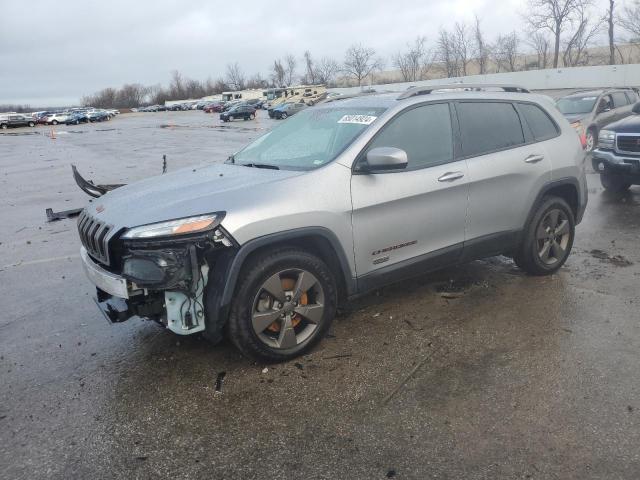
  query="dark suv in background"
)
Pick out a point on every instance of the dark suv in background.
point(617, 157)
point(16, 120)
point(590, 111)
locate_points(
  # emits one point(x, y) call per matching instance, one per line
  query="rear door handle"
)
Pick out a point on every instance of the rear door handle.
point(450, 176)
point(534, 158)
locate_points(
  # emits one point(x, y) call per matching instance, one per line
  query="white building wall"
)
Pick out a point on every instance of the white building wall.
point(549, 79)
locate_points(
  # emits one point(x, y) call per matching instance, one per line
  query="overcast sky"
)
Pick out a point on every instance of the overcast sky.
point(53, 52)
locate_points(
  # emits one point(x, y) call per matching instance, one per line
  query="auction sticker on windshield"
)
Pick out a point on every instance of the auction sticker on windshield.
point(360, 119)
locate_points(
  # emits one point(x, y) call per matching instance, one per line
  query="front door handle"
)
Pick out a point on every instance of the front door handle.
point(450, 176)
point(534, 158)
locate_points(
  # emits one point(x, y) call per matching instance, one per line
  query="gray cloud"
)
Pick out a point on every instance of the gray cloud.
point(54, 52)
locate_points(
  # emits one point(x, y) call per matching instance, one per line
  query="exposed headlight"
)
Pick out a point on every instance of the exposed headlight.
point(181, 226)
point(606, 137)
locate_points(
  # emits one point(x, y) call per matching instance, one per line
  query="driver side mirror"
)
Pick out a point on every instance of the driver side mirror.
point(384, 159)
point(603, 107)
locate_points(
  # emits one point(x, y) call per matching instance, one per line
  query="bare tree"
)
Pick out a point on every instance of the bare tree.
point(576, 47)
point(555, 16)
point(415, 62)
point(462, 45)
point(278, 73)
point(310, 70)
point(235, 76)
point(326, 70)
point(630, 20)
point(611, 22)
point(446, 54)
point(290, 64)
point(541, 45)
point(481, 49)
point(360, 62)
point(506, 52)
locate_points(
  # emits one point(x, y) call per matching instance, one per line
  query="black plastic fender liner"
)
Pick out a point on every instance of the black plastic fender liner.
point(89, 187)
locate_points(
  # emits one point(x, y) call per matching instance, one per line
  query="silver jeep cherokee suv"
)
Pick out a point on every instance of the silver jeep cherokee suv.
point(338, 200)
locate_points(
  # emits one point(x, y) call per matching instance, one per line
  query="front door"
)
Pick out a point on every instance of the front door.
point(417, 215)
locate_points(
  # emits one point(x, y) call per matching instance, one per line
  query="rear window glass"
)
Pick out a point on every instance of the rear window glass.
point(487, 127)
point(542, 127)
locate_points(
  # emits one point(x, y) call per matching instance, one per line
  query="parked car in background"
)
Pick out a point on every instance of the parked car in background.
point(98, 115)
point(213, 107)
point(255, 103)
point(588, 112)
point(286, 110)
point(617, 157)
point(56, 118)
point(231, 104)
point(246, 112)
point(16, 120)
point(74, 118)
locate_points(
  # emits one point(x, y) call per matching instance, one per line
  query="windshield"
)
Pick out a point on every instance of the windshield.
point(574, 105)
point(310, 139)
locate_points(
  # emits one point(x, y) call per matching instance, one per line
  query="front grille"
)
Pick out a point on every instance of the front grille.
point(628, 143)
point(94, 236)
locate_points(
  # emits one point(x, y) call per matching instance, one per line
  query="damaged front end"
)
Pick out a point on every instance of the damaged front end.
point(158, 271)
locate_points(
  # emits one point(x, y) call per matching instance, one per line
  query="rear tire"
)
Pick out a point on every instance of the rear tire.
point(548, 238)
point(4, 126)
point(55, 122)
point(231, 118)
point(32, 124)
point(614, 183)
point(252, 116)
point(283, 325)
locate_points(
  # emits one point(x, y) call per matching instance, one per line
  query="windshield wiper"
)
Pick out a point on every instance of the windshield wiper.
point(260, 165)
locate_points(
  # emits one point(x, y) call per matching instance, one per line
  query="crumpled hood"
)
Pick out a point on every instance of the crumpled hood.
point(183, 193)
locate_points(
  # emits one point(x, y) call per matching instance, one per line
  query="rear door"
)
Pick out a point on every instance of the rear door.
point(404, 217)
point(621, 105)
point(506, 170)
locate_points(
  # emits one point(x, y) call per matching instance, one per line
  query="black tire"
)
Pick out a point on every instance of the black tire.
point(591, 139)
point(4, 126)
point(32, 124)
point(614, 183)
point(245, 118)
point(543, 249)
point(55, 122)
point(250, 292)
point(252, 116)
point(230, 119)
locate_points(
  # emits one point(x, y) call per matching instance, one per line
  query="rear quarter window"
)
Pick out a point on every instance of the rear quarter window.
point(619, 99)
point(488, 126)
point(539, 122)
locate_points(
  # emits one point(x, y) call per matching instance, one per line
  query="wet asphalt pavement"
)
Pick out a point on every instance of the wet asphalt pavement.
point(476, 372)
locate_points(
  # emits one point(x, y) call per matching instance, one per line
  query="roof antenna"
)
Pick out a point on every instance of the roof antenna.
point(164, 164)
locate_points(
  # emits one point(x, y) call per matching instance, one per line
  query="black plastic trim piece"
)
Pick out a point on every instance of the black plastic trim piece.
point(249, 247)
point(553, 184)
point(410, 267)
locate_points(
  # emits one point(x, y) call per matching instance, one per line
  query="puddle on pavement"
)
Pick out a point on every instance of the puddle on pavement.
point(20, 134)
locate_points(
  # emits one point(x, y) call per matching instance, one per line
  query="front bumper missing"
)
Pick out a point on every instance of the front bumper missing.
point(119, 299)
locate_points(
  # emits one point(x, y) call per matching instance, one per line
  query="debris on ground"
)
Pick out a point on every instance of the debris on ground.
point(91, 188)
point(332, 357)
point(265, 370)
point(451, 294)
point(53, 216)
point(220, 382)
point(617, 260)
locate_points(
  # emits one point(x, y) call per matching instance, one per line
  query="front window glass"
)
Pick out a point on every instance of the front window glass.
point(310, 139)
point(576, 105)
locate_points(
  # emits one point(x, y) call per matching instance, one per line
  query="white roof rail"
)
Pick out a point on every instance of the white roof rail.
point(469, 87)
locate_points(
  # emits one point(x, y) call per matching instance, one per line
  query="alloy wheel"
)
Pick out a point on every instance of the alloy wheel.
point(288, 309)
point(552, 237)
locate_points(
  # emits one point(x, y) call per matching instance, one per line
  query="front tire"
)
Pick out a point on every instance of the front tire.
point(283, 306)
point(614, 183)
point(591, 140)
point(55, 122)
point(32, 124)
point(252, 116)
point(231, 118)
point(548, 238)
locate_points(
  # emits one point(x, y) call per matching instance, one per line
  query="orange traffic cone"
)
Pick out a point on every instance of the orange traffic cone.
point(52, 135)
